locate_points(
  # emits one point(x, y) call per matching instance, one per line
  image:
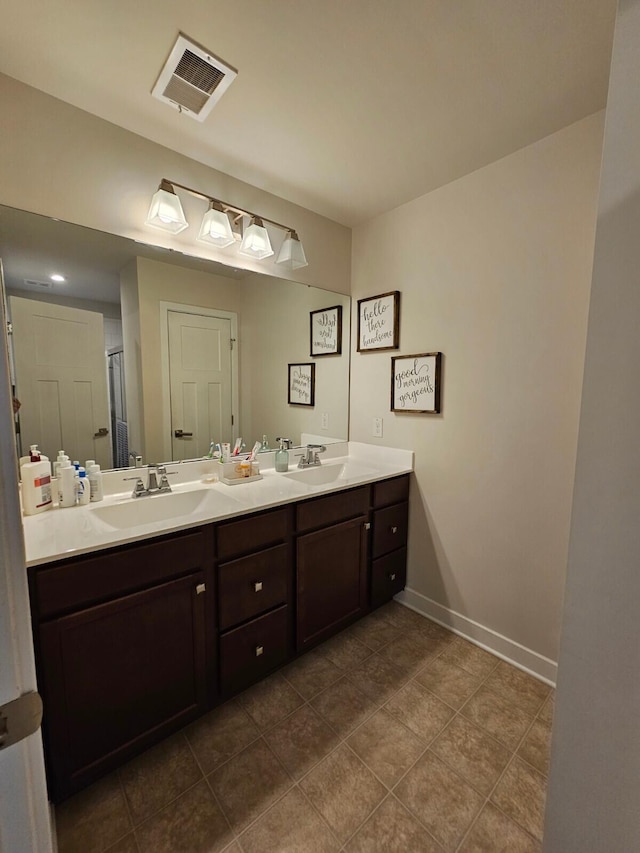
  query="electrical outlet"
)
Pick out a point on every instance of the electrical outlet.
point(377, 427)
point(324, 420)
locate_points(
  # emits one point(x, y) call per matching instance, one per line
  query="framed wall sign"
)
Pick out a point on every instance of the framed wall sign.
point(379, 322)
point(415, 383)
point(302, 384)
point(326, 331)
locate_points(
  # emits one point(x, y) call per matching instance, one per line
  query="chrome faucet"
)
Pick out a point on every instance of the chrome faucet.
point(311, 455)
point(153, 487)
point(137, 459)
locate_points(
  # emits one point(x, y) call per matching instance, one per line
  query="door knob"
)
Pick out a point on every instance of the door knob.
point(179, 433)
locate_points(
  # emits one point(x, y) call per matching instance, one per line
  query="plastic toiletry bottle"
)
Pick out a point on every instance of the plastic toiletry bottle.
point(88, 464)
point(36, 484)
point(265, 443)
point(282, 455)
point(62, 458)
point(67, 485)
point(84, 488)
point(95, 481)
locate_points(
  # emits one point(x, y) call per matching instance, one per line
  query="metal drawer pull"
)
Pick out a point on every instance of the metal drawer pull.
point(367, 525)
point(200, 588)
point(257, 586)
point(394, 529)
point(392, 577)
point(259, 651)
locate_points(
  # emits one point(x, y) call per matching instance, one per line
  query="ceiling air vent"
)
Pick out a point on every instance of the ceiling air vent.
point(193, 80)
point(32, 282)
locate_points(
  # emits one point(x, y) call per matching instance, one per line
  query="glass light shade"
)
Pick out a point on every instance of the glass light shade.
point(166, 212)
point(216, 228)
point(291, 252)
point(255, 241)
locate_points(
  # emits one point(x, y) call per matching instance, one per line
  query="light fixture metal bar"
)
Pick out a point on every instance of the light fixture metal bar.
point(228, 207)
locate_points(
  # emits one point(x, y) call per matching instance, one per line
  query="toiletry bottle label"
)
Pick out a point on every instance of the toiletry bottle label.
point(44, 484)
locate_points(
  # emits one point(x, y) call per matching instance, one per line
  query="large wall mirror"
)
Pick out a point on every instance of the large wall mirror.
point(148, 351)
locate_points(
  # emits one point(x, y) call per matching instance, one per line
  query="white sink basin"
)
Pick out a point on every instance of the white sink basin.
point(328, 473)
point(153, 508)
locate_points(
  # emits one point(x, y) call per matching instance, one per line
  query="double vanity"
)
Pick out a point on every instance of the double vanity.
point(148, 612)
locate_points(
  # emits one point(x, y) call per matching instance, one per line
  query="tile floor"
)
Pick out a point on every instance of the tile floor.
point(395, 735)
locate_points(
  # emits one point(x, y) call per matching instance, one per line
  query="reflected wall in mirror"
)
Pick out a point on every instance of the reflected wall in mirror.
point(144, 350)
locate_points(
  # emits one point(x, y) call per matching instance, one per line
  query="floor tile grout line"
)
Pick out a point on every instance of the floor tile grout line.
point(210, 787)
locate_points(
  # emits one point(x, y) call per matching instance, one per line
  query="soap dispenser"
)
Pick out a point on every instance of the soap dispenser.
point(282, 455)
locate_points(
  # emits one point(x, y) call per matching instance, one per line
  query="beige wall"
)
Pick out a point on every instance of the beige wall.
point(494, 272)
point(275, 332)
point(595, 758)
point(60, 161)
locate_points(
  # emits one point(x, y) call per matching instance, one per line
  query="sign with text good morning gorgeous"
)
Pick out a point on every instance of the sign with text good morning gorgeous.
point(379, 322)
point(415, 383)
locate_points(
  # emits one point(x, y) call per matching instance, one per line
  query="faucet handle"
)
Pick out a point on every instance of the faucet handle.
point(139, 488)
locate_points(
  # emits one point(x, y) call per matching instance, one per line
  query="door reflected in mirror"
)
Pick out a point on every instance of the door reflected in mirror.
point(143, 350)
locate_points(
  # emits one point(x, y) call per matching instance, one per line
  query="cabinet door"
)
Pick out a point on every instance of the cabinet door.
point(120, 675)
point(331, 580)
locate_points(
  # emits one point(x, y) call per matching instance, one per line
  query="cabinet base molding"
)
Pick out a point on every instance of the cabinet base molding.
point(508, 650)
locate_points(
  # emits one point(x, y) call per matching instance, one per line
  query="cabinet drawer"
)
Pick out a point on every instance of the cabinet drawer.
point(334, 508)
point(388, 576)
point(250, 652)
point(87, 580)
point(391, 491)
point(252, 534)
point(252, 585)
point(389, 529)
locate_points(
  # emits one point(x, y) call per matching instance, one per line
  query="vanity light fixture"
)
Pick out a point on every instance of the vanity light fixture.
point(216, 227)
point(166, 210)
point(224, 224)
point(255, 240)
point(291, 252)
point(57, 277)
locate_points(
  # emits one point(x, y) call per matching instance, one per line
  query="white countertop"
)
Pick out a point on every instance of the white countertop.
point(60, 533)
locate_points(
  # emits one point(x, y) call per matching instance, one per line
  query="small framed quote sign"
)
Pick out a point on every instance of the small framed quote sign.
point(302, 384)
point(379, 322)
point(415, 383)
point(326, 331)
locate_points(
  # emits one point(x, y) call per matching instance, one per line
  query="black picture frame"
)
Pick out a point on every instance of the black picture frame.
point(415, 383)
point(379, 322)
point(302, 384)
point(325, 332)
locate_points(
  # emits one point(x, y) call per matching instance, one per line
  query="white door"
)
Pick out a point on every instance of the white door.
point(61, 380)
point(199, 382)
point(24, 812)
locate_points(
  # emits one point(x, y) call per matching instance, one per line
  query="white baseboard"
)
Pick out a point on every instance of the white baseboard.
point(531, 662)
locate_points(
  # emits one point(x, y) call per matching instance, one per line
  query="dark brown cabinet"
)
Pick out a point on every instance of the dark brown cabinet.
point(134, 642)
point(119, 674)
point(254, 597)
point(389, 539)
point(331, 565)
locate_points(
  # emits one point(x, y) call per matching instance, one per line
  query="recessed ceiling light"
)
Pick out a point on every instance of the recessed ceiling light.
point(57, 277)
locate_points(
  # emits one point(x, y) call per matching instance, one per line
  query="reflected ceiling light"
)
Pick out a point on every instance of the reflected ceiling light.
point(216, 227)
point(166, 211)
point(224, 224)
point(57, 277)
point(291, 253)
point(255, 240)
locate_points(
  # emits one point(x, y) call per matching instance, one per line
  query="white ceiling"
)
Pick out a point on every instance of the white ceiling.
point(347, 107)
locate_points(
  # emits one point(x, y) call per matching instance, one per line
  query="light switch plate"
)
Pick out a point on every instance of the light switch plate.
point(377, 427)
point(324, 420)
